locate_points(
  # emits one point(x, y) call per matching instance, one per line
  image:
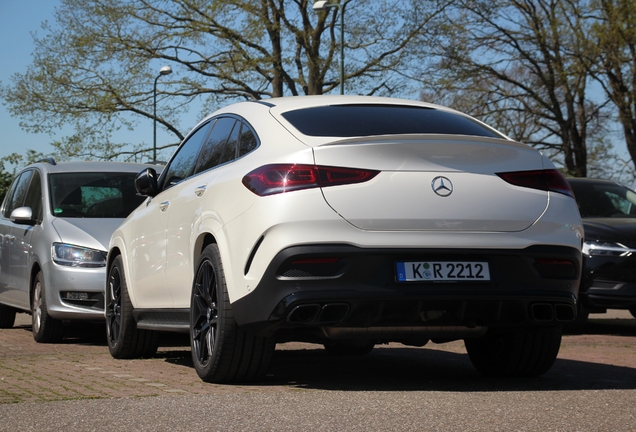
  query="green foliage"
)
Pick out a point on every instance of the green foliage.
point(11, 164)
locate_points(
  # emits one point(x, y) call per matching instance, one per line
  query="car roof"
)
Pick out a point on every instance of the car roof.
point(295, 102)
point(289, 103)
point(50, 166)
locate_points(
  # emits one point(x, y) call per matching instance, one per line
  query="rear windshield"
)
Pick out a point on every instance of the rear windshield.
point(93, 195)
point(366, 120)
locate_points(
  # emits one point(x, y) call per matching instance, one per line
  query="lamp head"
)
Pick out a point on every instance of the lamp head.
point(166, 70)
point(321, 5)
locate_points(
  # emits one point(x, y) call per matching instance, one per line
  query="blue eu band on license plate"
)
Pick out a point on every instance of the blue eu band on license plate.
point(425, 271)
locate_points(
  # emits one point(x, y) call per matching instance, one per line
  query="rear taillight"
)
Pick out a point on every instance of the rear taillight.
point(279, 178)
point(547, 180)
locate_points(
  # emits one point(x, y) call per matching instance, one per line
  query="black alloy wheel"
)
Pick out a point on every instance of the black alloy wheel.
point(7, 316)
point(221, 350)
point(205, 315)
point(125, 340)
point(113, 306)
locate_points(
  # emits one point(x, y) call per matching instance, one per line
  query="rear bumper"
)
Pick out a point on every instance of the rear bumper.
point(350, 287)
point(610, 295)
point(609, 282)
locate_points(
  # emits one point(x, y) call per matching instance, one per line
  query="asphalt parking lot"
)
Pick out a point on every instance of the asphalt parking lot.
point(594, 376)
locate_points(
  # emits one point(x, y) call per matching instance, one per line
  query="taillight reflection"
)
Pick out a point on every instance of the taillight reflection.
point(280, 178)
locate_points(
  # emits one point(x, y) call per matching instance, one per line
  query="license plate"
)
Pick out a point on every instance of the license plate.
point(425, 271)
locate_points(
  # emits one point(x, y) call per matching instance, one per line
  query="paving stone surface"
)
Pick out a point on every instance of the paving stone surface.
point(82, 368)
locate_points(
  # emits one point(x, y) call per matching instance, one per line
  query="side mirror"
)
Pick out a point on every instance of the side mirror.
point(146, 182)
point(23, 216)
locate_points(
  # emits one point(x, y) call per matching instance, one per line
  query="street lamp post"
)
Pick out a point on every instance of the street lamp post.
point(324, 5)
point(166, 70)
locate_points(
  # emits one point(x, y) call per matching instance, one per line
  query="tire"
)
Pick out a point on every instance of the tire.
point(577, 326)
point(221, 351)
point(125, 340)
point(522, 354)
point(340, 349)
point(45, 328)
point(7, 316)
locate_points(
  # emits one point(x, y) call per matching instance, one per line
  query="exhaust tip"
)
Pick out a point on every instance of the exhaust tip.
point(542, 312)
point(333, 313)
point(304, 314)
point(564, 312)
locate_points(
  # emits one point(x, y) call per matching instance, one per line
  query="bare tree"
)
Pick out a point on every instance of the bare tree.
point(94, 67)
point(610, 34)
point(518, 62)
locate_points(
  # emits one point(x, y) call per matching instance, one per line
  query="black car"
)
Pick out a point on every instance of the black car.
point(608, 211)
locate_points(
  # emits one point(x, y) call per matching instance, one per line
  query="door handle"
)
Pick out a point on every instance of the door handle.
point(200, 190)
point(164, 206)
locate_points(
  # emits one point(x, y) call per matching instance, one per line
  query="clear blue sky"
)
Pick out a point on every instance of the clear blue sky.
point(18, 19)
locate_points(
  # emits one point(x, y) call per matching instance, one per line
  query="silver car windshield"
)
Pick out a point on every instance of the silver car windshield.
point(93, 194)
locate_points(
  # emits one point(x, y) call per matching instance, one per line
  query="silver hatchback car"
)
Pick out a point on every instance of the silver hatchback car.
point(55, 224)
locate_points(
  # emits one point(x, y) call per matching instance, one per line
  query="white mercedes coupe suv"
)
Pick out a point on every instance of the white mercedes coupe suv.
point(347, 222)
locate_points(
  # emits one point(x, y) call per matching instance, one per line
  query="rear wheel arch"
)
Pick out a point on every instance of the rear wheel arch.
point(203, 241)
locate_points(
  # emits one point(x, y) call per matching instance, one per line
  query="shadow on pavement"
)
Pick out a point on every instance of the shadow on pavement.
point(402, 368)
point(421, 369)
point(416, 369)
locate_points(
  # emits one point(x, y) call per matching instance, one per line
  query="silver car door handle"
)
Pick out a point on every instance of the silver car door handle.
point(164, 206)
point(200, 190)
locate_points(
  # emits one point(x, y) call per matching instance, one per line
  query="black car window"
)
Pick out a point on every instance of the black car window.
point(18, 192)
point(181, 166)
point(93, 194)
point(367, 120)
point(33, 198)
point(248, 140)
point(220, 147)
point(604, 199)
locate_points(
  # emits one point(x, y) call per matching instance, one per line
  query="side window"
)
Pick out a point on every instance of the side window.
point(18, 192)
point(221, 145)
point(182, 164)
point(248, 140)
point(34, 196)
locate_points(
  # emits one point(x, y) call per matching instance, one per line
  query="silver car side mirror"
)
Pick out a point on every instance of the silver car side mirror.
point(23, 216)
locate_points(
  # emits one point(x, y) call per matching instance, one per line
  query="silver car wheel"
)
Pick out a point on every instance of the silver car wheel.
point(37, 307)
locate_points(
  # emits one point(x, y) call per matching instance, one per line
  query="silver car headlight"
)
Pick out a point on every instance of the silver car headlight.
point(606, 249)
point(76, 256)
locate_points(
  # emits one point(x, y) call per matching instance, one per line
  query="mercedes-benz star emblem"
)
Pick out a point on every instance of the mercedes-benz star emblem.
point(442, 186)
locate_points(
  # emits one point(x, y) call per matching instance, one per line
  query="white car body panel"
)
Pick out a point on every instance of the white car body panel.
point(160, 249)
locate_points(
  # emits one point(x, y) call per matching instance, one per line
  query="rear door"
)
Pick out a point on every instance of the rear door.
point(16, 240)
